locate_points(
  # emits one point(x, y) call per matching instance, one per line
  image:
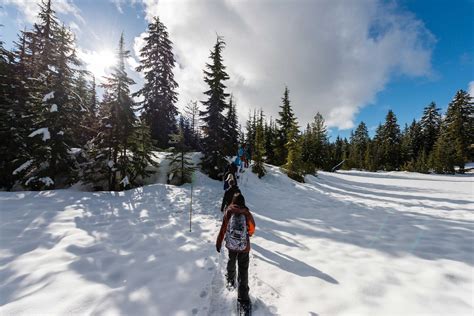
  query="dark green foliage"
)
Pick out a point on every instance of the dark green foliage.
point(430, 126)
point(213, 161)
point(454, 146)
point(390, 143)
point(259, 148)
point(286, 123)
point(157, 63)
point(359, 142)
point(294, 165)
point(181, 167)
point(192, 117)
point(231, 124)
point(111, 151)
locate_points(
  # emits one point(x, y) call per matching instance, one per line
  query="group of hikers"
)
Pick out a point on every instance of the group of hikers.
point(237, 227)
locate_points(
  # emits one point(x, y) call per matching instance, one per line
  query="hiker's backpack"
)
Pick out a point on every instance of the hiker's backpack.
point(236, 234)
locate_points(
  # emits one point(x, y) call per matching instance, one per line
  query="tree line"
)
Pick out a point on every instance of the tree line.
point(436, 143)
point(56, 132)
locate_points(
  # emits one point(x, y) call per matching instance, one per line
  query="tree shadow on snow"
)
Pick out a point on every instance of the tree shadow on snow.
point(291, 264)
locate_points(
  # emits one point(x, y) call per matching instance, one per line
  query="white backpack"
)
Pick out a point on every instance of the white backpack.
point(236, 234)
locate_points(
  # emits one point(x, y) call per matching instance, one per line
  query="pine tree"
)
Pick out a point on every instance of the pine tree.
point(157, 62)
point(108, 151)
point(294, 164)
point(359, 140)
point(231, 137)
point(181, 167)
point(320, 141)
point(390, 142)
point(11, 137)
point(213, 161)
point(259, 148)
point(192, 115)
point(270, 137)
point(286, 123)
point(52, 64)
point(430, 126)
point(443, 156)
point(460, 127)
point(142, 156)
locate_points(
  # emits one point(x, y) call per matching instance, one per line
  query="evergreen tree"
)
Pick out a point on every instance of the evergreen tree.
point(52, 62)
point(320, 142)
point(294, 164)
point(359, 141)
point(157, 62)
point(286, 123)
point(259, 148)
point(181, 167)
point(444, 151)
point(110, 160)
point(270, 137)
point(192, 115)
point(231, 137)
point(390, 142)
point(460, 128)
point(213, 161)
point(430, 126)
point(142, 156)
point(11, 137)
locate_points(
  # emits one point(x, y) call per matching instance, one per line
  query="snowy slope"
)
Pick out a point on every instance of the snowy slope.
point(349, 243)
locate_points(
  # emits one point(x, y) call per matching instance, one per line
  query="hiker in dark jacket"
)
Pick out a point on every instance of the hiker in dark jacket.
point(237, 251)
point(229, 194)
point(230, 174)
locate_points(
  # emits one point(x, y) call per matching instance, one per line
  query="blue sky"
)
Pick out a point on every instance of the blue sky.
point(349, 60)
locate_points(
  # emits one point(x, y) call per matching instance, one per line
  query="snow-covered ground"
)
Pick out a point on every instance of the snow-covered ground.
point(347, 243)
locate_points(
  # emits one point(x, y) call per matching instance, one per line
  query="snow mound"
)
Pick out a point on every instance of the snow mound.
point(48, 96)
point(44, 131)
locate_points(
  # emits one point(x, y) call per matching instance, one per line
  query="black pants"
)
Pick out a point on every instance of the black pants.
point(243, 259)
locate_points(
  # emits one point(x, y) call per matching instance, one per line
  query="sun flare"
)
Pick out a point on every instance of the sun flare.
point(99, 62)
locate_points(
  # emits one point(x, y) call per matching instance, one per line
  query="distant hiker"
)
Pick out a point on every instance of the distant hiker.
point(248, 156)
point(237, 226)
point(229, 194)
point(230, 174)
point(242, 154)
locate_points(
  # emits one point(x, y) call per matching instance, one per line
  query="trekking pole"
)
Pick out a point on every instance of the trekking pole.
point(191, 202)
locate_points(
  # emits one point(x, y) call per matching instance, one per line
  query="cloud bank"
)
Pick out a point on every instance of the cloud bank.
point(29, 8)
point(335, 56)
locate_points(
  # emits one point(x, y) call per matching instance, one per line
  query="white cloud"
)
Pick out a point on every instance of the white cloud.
point(119, 4)
point(335, 56)
point(470, 88)
point(29, 8)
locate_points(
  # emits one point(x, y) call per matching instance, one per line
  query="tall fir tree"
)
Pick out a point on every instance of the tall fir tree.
point(53, 64)
point(390, 142)
point(294, 164)
point(430, 124)
point(231, 125)
point(108, 151)
point(286, 123)
point(459, 129)
point(192, 115)
point(259, 148)
point(320, 142)
point(181, 167)
point(213, 161)
point(359, 141)
point(159, 96)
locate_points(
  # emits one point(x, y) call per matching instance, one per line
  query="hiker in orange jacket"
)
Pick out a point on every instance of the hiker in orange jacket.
point(237, 227)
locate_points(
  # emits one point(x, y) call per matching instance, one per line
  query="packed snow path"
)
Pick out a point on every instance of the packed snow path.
point(348, 243)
